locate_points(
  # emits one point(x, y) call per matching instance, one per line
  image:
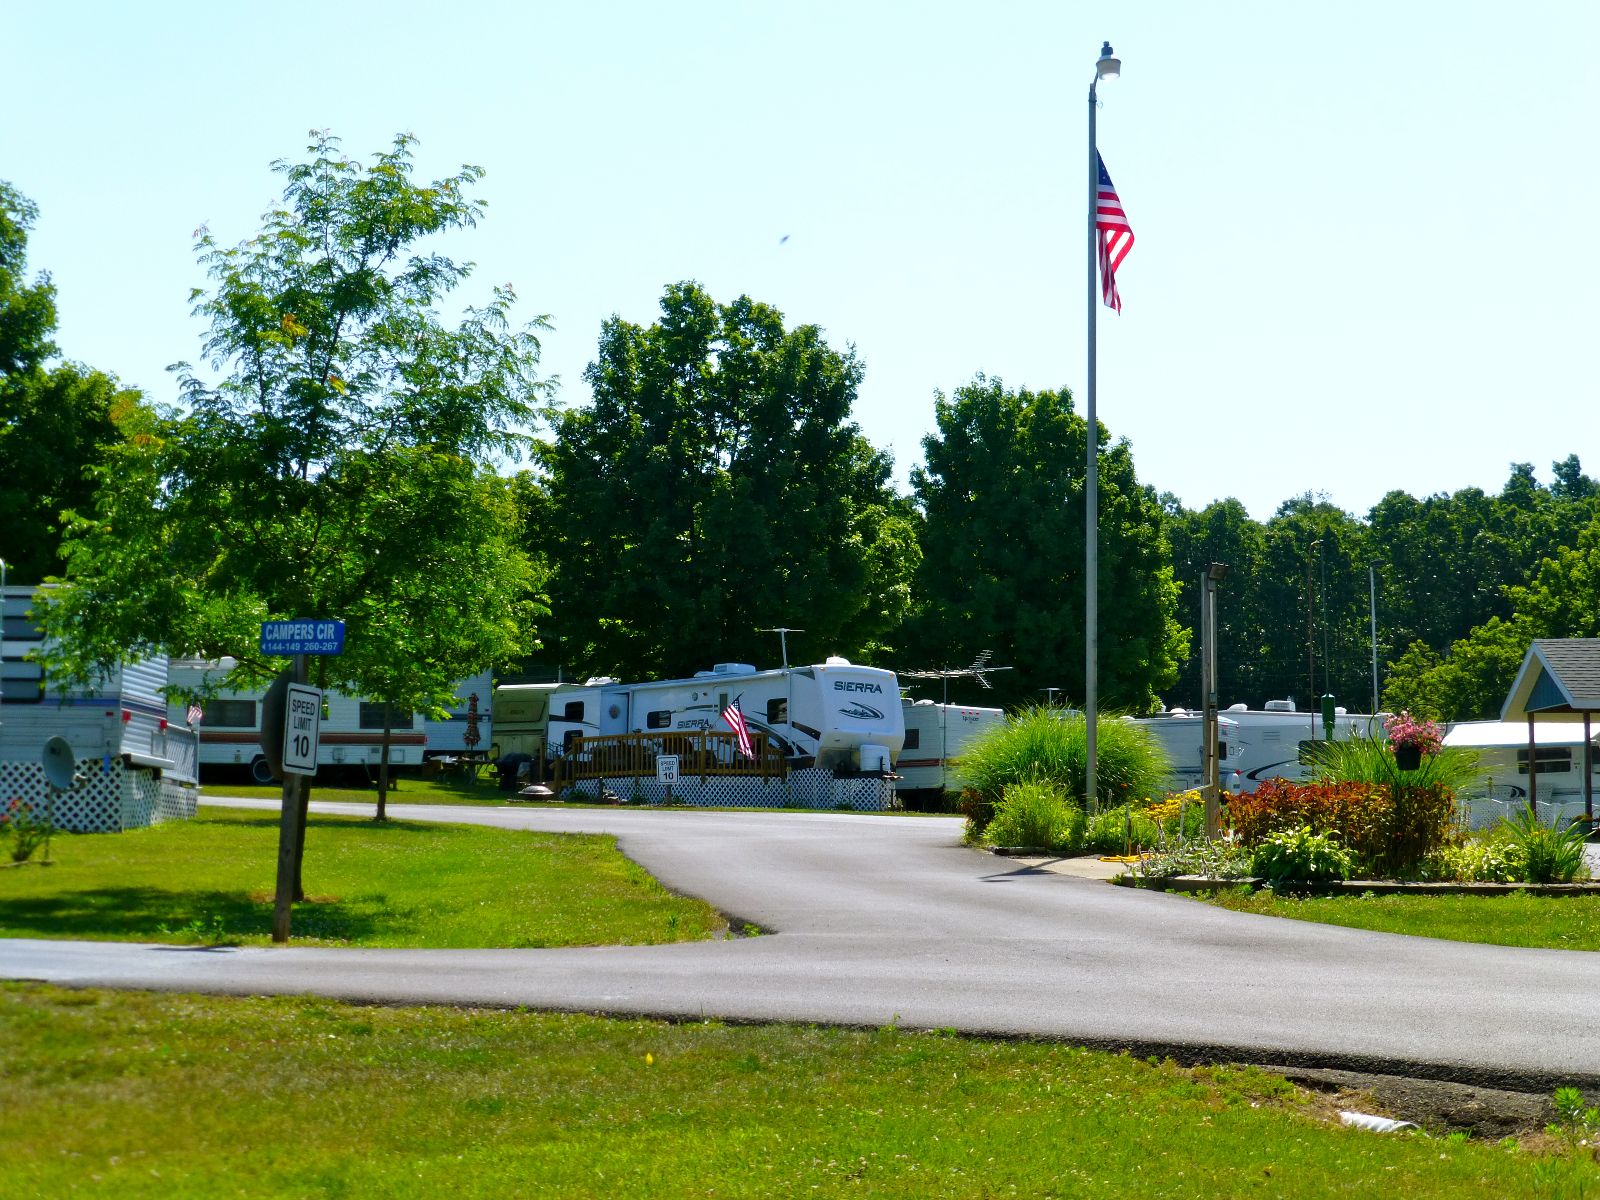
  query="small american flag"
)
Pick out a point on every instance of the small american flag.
point(1116, 236)
point(734, 716)
point(195, 714)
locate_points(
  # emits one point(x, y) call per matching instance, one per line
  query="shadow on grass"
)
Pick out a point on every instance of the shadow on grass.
point(210, 916)
point(270, 821)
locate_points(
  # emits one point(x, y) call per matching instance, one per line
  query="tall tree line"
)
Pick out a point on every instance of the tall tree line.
point(1457, 579)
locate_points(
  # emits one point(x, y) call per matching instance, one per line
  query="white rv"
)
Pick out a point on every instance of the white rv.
point(1267, 743)
point(833, 715)
point(1181, 734)
point(1502, 786)
point(134, 765)
point(352, 728)
point(935, 735)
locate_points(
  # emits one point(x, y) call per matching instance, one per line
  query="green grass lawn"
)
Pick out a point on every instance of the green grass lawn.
point(1512, 919)
point(397, 884)
point(139, 1094)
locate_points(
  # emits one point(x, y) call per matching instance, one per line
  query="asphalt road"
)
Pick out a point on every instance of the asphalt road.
point(876, 920)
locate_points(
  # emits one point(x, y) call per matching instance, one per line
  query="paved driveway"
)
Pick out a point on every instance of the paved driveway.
point(891, 919)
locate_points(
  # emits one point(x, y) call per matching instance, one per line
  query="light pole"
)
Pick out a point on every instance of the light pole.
point(1108, 67)
point(1215, 574)
point(1372, 600)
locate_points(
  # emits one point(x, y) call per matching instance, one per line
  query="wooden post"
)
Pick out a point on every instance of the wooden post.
point(1533, 771)
point(1588, 776)
point(288, 837)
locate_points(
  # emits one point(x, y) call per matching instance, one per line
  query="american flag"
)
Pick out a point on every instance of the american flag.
point(734, 716)
point(195, 713)
point(1116, 236)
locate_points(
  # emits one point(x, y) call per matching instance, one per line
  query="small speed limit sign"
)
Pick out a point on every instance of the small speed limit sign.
point(301, 726)
point(667, 769)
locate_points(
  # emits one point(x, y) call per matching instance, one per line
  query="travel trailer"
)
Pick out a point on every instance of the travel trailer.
point(352, 728)
point(834, 715)
point(1181, 734)
point(1502, 786)
point(1267, 743)
point(935, 735)
point(133, 765)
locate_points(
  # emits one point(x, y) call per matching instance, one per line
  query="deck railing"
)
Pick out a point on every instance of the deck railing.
point(701, 754)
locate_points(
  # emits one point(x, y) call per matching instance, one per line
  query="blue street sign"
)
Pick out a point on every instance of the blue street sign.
point(282, 638)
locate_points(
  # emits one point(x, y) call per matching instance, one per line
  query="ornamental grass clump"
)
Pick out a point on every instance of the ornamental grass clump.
point(1037, 815)
point(1370, 760)
point(1047, 745)
point(1547, 854)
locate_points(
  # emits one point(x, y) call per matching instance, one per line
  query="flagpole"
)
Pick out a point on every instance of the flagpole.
point(1091, 499)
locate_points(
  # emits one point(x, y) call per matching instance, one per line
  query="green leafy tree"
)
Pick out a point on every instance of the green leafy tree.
point(338, 464)
point(1470, 681)
point(717, 485)
point(54, 421)
point(1222, 532)
point(1003, 551)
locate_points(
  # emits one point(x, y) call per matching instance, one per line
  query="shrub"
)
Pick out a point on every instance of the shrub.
point(24, 827)
point(1547, 855)
point(1214, 860)
point(978, 809)
point(1035, 814)
point(1300, 856)
point(1389, 828)
point(1048, 746)
point(1111, 829)
point(1475, 860)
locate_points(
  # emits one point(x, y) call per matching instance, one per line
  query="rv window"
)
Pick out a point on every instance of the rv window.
point(21, 682)
point(778, 710)
point(660, 719)
point(914, 736)
point(573, 711)
point(1548, 760)
point(1222, 747)
point(573, 735)
point(372, 715)
point(232, 714)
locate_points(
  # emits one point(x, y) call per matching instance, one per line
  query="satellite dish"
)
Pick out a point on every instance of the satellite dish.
point(60, 764)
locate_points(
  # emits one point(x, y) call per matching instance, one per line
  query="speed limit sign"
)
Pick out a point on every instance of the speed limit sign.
point(301, 726)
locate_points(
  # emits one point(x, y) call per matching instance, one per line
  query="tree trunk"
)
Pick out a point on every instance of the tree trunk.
point(383, 764)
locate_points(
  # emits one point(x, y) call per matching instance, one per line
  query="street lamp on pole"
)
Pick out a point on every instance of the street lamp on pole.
point(1109, 66)
point(1372, 600)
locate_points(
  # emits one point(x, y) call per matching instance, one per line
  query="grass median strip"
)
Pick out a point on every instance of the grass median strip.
point(399, 883)
point(1514, 919)
point(136, 1094)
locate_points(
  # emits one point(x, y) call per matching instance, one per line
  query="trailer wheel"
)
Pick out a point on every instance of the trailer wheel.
point(260, 771)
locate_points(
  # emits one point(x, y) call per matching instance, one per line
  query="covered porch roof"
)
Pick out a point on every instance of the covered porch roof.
point(1559, 680)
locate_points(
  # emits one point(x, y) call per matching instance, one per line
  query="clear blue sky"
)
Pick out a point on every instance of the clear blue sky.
point(1366, 244)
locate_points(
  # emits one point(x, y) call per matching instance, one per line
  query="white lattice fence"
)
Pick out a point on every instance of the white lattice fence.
point(111, 798)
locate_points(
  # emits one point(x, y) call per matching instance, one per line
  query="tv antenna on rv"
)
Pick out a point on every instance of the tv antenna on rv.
point(979, 670)
point(783, 632)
